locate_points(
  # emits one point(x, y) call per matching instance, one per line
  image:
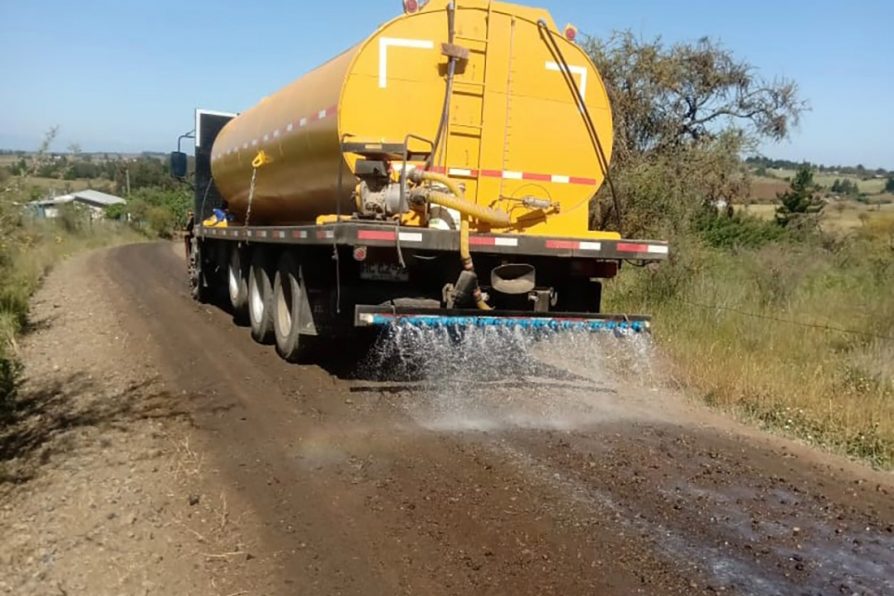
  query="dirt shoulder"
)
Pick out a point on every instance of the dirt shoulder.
point(102, 492)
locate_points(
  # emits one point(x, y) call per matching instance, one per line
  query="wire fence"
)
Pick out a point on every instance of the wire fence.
point(805, 324)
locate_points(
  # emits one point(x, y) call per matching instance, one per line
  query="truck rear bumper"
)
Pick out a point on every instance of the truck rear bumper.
point(375, 234)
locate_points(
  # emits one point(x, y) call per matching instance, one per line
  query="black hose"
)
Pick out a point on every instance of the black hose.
point(448, 93)
point(591, 128)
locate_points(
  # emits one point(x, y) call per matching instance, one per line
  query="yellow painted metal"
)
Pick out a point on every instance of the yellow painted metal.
point(515, 129)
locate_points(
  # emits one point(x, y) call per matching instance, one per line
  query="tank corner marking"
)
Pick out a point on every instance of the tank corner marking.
point(387, 42)
point(581, 71)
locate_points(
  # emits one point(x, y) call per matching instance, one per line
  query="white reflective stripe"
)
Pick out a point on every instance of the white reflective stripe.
point(254, 142)
point(460, 172)
point(512, 175)
point(561, 179)
point(658, 249)
point(266, 138)
point(275, 133)
point(411, 236)
point(387, 42)
point(328, 234)
point(302, 234)
point(302, 123)
point(505, 241)
point(290, 127)
point(321, 114)
point(590, 246)
point(578, 70)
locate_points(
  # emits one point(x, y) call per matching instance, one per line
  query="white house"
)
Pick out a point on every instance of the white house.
point(93, 200)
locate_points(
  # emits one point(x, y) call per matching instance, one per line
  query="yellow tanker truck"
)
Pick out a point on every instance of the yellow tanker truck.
point(438, 173)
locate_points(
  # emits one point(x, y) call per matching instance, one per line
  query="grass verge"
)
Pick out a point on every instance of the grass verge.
point(759, 332)
point(27, 252)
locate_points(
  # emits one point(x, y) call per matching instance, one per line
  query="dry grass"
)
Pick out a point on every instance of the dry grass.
point(838, 217)
point(831, 388)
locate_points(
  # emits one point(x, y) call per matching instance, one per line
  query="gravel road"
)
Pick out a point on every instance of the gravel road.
point(561, 467)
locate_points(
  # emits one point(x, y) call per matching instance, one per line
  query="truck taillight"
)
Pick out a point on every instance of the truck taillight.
point(359, 253)
point(570, 32)
point(410, 6)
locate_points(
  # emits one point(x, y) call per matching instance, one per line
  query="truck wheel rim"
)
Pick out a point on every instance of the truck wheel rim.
point(257, 301)
point(284, 308)
point(234, 285)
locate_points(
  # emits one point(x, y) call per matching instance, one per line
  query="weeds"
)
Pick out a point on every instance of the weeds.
point(786, 366)
point(28, 249)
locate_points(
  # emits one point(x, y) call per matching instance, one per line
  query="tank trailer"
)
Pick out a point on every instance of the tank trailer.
point(438, 173)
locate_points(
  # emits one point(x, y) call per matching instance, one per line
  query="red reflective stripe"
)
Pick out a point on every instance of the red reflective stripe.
point(375, 235)
point(501, 174)
point(482, 241)
point(562, 244)
point(627, 247)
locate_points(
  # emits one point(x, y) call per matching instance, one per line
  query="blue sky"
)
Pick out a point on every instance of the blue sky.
point(125, 76)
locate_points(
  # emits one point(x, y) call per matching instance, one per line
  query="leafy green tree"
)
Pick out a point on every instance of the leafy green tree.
point(836, 186)
point(156, 211)
point(683, 116)
point(799, 202)
point(889, 185)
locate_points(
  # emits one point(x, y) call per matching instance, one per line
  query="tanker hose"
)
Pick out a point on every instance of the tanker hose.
point(466, 256)
point(493, 217)
point(466, 209)
point(420, 176)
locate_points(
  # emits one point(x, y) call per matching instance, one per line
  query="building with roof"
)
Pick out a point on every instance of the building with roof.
point(94, 200)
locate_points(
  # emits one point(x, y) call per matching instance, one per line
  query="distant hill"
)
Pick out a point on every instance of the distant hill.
point(761, 164)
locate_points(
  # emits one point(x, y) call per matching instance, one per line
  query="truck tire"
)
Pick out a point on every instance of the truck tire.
point(199, 287)
point(237, 281)
point(260, 297)
point(291, 311)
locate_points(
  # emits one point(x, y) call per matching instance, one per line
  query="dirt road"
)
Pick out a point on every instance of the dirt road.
point(568, 470)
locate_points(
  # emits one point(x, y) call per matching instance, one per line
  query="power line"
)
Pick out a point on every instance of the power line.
point(787, 321)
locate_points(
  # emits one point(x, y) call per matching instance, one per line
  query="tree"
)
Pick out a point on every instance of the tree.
point(836, 186)
point(799, 202)
point(683, 116)
point(664, 97)
point(889, 185)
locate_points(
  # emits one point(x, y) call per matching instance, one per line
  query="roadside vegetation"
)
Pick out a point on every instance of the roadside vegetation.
point(785, 318)
point(30, 246)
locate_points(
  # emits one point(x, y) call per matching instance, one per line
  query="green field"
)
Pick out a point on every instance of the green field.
point(870, 186)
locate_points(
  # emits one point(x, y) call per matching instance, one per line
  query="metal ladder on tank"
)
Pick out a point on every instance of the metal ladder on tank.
point(472, 89)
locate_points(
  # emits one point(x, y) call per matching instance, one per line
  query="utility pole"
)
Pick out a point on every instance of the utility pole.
point(127, 180)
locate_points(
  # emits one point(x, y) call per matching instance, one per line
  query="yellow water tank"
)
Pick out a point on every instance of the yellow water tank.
point(516, 129)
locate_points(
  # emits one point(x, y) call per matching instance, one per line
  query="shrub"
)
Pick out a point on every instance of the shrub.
point(739, 231)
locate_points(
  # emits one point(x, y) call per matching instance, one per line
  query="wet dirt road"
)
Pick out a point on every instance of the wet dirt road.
point(558, 478)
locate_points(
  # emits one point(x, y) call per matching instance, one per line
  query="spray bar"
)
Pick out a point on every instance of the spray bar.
point(382, 316)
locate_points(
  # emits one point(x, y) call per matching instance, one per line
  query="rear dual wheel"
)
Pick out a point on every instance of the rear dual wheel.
point(291, 311)
point(237, 282)
point(260, 296)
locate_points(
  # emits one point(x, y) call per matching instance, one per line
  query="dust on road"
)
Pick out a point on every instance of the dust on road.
point(500, 466)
